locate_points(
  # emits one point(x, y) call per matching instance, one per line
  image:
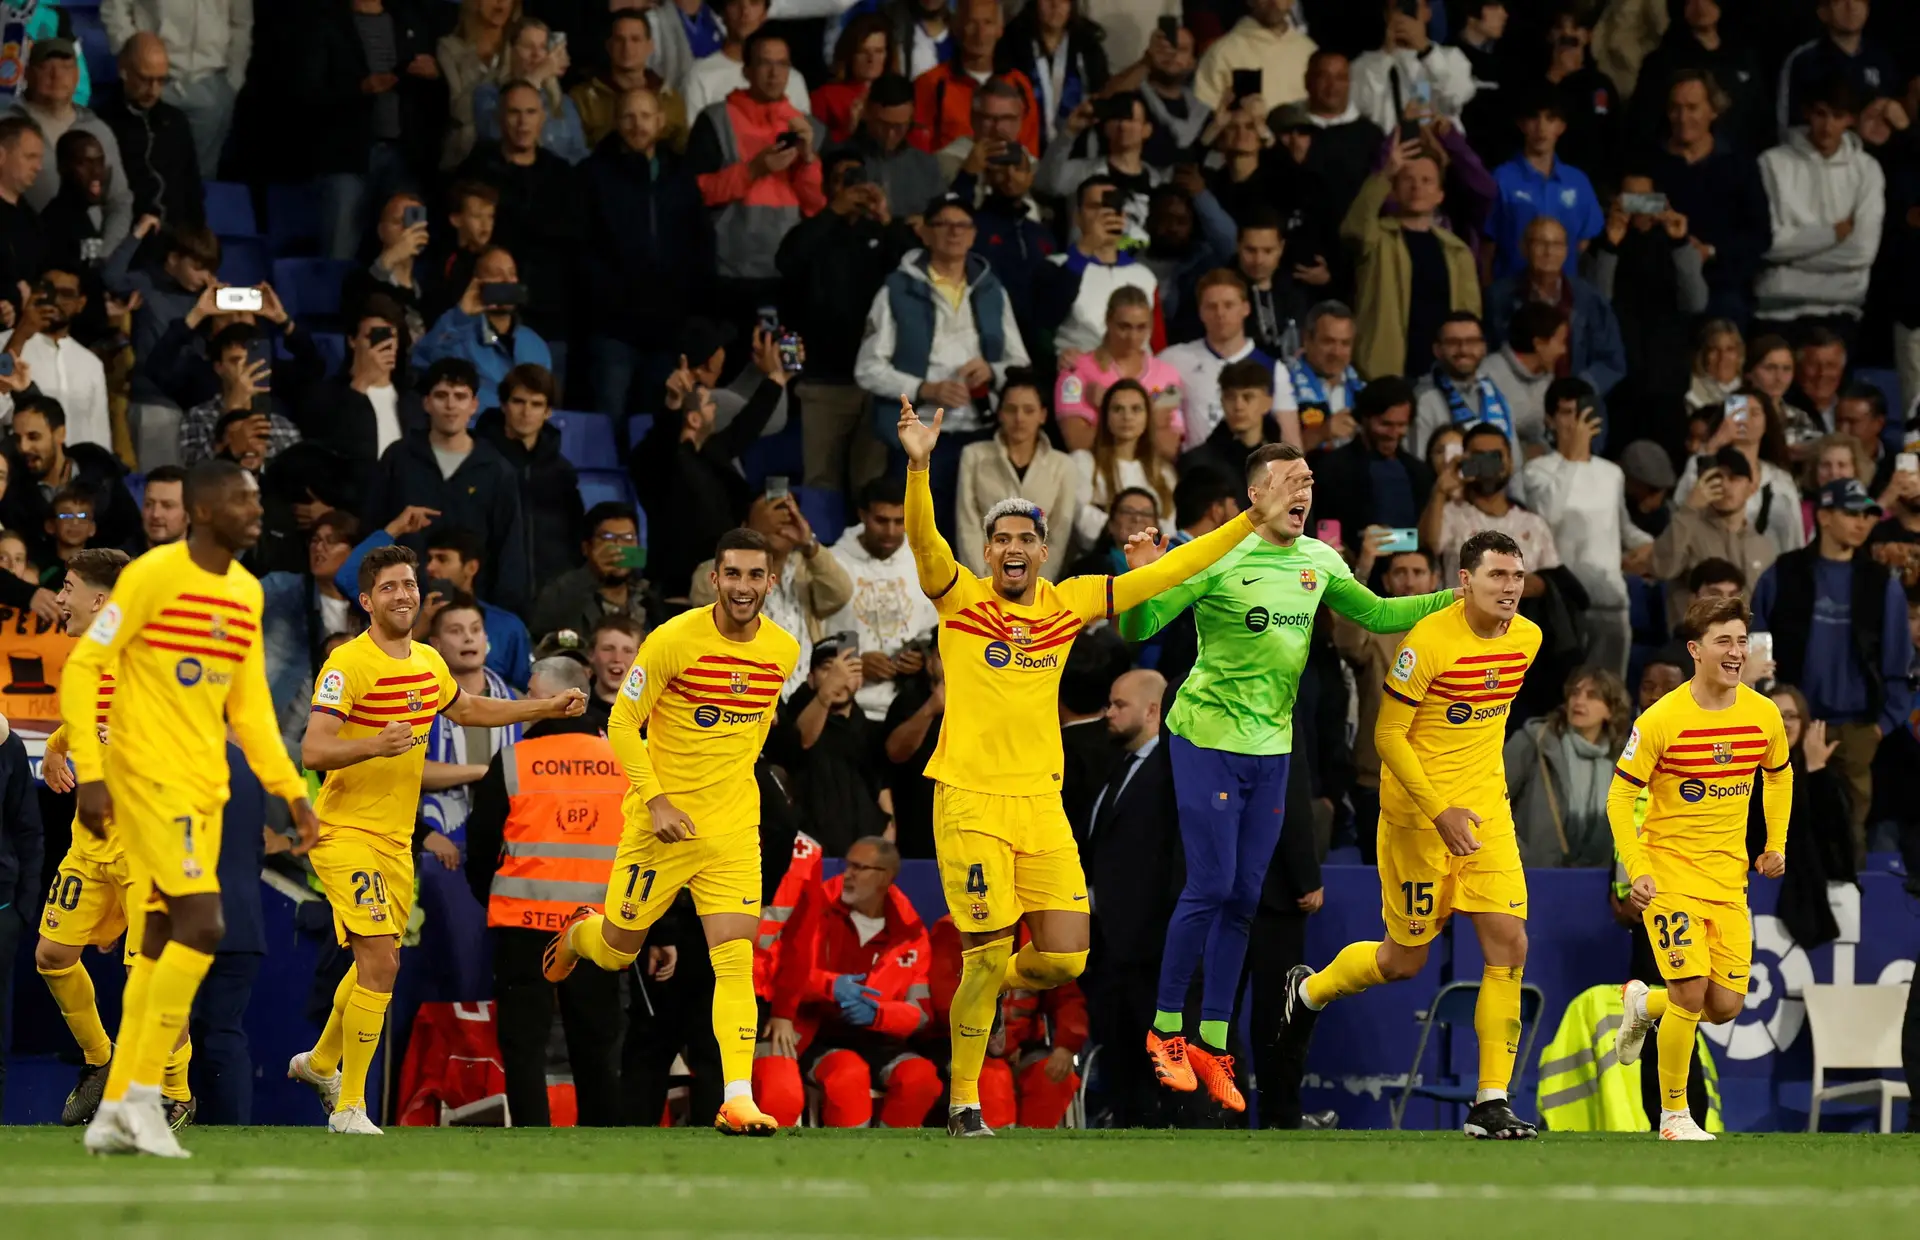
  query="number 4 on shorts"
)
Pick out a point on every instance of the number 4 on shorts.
point(976, 880)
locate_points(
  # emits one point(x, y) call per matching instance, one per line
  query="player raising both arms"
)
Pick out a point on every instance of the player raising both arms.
point(1698, 750)
point(372, 708)
point(1447, 840)
point(181, 634)
point(1232, 733)
point(1005, 849)
point(705, 686)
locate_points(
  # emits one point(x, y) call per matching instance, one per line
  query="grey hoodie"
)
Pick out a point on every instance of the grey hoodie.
point(1809, 271)
point(117, 211)
point(1526, 395)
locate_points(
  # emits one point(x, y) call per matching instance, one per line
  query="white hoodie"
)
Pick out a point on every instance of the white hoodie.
point(1808, 272)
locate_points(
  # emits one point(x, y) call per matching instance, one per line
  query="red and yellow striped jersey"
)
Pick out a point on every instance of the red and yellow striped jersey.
point(707, 703)
point(367, 689)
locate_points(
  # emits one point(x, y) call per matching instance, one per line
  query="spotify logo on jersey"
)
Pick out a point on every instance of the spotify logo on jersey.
point(998, 654)
point(188, 672)
point(706, 716)
point(1693, 789)
point(1459, 712)
point(1257, 619)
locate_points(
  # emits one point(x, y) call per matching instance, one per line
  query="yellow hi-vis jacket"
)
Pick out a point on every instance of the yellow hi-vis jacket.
point(1583, 1085)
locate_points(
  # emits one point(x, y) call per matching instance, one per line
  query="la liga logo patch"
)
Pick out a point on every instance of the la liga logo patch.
point(1403, 664)
point(333, 687)
point(636, 681)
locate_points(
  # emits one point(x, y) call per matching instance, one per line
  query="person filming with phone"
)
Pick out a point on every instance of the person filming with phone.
point(243, 361)
point(486, 328)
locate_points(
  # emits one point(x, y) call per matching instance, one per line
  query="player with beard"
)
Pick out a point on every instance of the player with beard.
point(1006, 851)
point(375, 699)
point(705, 687)
point(181, 634)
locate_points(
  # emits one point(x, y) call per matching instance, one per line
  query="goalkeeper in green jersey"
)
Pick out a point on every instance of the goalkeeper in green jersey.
point(1231, 737)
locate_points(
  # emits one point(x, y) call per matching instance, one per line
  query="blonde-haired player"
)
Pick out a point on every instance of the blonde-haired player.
point(1699, 751)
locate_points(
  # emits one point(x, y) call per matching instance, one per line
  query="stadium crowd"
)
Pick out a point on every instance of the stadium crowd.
point(556, 292)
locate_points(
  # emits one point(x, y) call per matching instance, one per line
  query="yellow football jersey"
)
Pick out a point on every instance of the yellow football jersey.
point(707, 704)
point(1700, 766)
point(1460, 688)
point(184, 646)
point(367, 689)
point(85, 846)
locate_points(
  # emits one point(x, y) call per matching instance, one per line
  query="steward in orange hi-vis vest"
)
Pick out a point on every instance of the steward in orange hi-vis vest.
point(562, 828)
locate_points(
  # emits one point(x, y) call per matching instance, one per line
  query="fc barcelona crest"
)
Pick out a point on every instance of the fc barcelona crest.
point(1020, 633)
point(413, 701)
point(1491, 680)
point(217, 628)
point(737, 682)
point(627, 911)
point(979, 911)
point(1722, 752)
point(1677, 959)
point(1309, 580)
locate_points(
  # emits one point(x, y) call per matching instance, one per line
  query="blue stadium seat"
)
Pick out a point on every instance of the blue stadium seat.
point(587, 440)
point(310, 287)
point(91, 34)
point(230, 209)
point(600, 486)
point(637, 428)
point(1888, 381)
point(136, 485)
point(244, 260)
point(825, 511)
point(775, 455)
point(332, 347)
point(293, 219)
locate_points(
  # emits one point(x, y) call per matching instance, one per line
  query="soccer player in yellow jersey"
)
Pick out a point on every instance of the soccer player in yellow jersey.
point(1447, 842)
point(372, 708)
point(1699, 750)
point(1006, 852)
point(181, 637)
point(705, 686)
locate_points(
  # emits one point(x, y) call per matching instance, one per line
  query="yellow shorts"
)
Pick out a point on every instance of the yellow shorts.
point(1004, 857)
point(93, 903)
point(369, 884)
point(172, 842)
point(1701, 938)
point(724, 873)
point(1422, 884)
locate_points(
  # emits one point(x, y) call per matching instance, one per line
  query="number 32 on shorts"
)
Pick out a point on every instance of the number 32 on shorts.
point(1673, 930)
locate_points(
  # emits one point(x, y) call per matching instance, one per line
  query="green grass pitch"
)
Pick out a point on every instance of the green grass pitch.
point(291, 1184)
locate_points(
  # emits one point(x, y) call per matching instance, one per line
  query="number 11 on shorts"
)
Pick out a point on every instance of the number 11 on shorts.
point(635, 875)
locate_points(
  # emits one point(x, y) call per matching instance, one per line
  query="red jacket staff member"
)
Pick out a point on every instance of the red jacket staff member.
point(1030, 1073)
point(849, 989)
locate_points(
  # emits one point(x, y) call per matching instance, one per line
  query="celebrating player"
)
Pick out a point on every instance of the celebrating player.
point(705, 685)
point(182, 635)
point(1447, 840)
point(1232, 732)
point(372, 708)
point(1697, 750)
point(1006, 851)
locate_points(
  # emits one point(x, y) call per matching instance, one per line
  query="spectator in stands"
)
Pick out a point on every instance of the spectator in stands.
point(611, 649)
point(1537, 183)
point(1532, 355)
point(1019, 461)
point(46, 464)
point(1711, 524)
point(607, 584)
point(1583, 497)
point(1257, 169)
point(519, 431)
point(889, 613)
point(1819, 368)
point(362, 412)
point(166, 295)
point(1751, 425)
point(862, 55)
point(491, 338)
point(907, 175)
point(156, 139)
point(1841, 55)
point(1594, 110)
point(246, 386)
point(1272, 41)
point(1410, 271)
point(924, 34)
point(1073, 292)
point(163, 510)
point(1119, 156)
point(180, 364)
point(1717, 187)
point(1559, 768)
point(1828, 200)
point(629, 48)
point(651, 249)
point(62, 367)
point(1179, 118)
point(757, 182)
point(395, 272)
point(730, 68)
point(1188, 235)
point(1649, 484)
point(1373, 479)
point(825, 743)
point(1280, 297)
point(1246, 423)
point(1122, 354)
point(1223, 307)
point(69, 529)
point(537, 60)
point(449, 264)
point(1123, 458)
point(1456, 391)
point(1696, 42)
point(202, 52)
point(469, 484)
point(849, 991)
point(1403, 574)
point(1651, 277)
point(1861, 413)
point(474, 52)
point(999, 117)
point(1346, 143)
point(1488, 115)
point(300, 611)
point(539, 218)
point(1058, 49)
point(943, 96)
point(1839, 625)
point(810, 583)
point(52, 73)
point(378, 87)
point(23, 245)
point(1896, 540)
point(457, 757)
point(1719, 358)
point(1322, 379)
point(71, 222)
point(456, 557)
point(1410, 71)
point(1594, 348)
point(1471, 496)
point(1134, 509)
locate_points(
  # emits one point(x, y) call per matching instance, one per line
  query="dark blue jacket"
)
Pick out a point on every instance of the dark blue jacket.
point(1599, 355)
point(22, 842)
point(648, 252)
point(242, 850)
point(1726, 206)
point(1015, 247)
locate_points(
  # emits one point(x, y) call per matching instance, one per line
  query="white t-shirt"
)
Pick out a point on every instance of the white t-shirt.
point(1200, 368)
point(714, 77)
point(1460, 521)
point(386, 417)
point(1584, 503)
point(888, 609)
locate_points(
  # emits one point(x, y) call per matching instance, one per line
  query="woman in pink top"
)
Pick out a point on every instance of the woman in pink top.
point(864, 51)
point(1085, 378)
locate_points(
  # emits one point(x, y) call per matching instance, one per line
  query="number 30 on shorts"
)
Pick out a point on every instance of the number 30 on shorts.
point(1673, 930)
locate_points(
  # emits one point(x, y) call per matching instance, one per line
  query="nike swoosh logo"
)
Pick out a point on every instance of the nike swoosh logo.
point(748, 900)
point(1734, 977)
point(1080, 897)
point(1247, 581)
point(369, 1037)
point(1515, 903)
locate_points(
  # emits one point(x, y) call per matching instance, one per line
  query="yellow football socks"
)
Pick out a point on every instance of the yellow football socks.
point(736, 1018)
point(1356, 968)
point(982, 970)
point(1675, 1041)
point(324, 1058)
point(176, 976)
point(1032, 969)
point(360, 1029)
point(590, 943)
point(1656, 1004)
point(72, 989)
point(133, 1011)
point(174, 1086)
point(1496, 1023)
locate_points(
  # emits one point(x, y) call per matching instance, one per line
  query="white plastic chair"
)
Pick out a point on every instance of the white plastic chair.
point(1856, 1027)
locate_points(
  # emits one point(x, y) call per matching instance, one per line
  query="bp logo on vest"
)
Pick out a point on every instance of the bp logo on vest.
point(998, 654)
point(1692, 790)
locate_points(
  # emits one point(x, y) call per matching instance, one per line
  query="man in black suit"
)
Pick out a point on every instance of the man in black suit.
point(1094, 662)
point(1135, 869)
